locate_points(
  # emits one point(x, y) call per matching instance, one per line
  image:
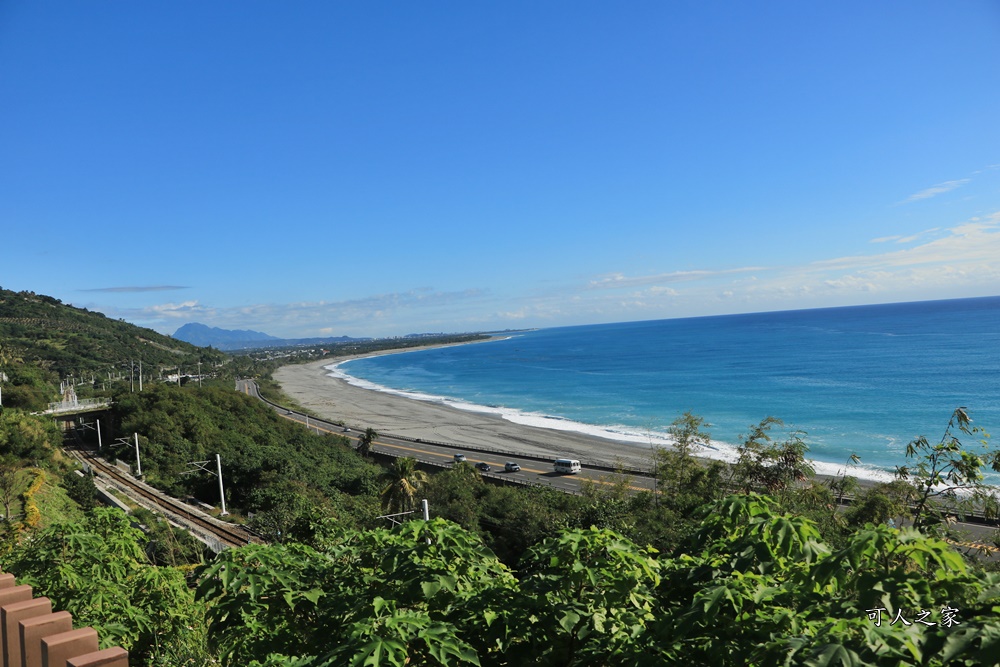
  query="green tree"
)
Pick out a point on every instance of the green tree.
point(759, 587)
point(97, 570)
point(947, 476)
point(880, 504)
point(768, 466)
point(381, 597)
point(845, 484)
point(366, 440)
point(11, 481)
point(405, 480)
point(80, 489)
point(26, 437)
point(287, 512)
point(683, 482)
point(586, 598)
point(457, 494)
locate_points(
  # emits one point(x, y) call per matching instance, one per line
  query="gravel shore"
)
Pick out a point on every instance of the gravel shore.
point(332, 398)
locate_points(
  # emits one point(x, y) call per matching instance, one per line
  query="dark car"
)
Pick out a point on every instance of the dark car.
point(485, 467)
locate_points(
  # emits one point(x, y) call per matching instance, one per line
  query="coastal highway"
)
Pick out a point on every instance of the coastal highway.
point(535, 470)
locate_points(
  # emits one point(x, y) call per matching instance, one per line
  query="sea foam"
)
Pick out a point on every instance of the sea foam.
point(647, 440)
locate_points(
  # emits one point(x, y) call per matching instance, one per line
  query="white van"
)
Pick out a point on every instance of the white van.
point(571, 466)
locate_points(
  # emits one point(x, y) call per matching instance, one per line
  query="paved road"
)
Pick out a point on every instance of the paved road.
point(534, 471)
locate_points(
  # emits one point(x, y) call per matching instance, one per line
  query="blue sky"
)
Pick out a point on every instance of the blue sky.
point(382, 168)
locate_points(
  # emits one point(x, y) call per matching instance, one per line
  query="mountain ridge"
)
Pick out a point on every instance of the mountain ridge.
point(246, 339)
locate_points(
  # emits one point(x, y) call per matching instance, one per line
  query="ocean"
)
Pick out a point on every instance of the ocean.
point(863, 379)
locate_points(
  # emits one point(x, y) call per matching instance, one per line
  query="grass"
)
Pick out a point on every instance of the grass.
point(54, 504)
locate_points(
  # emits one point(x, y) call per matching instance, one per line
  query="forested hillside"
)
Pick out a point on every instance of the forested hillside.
point(284, 475)
point(43, 341)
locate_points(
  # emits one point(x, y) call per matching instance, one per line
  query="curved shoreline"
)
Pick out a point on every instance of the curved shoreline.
point(312, 386)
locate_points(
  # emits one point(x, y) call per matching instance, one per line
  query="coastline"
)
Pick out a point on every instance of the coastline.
point(312, 386)
point(316, 388)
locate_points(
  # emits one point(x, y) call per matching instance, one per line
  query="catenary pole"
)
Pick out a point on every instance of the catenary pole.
point(425, 508)
point(138, 463)
point(222, 494)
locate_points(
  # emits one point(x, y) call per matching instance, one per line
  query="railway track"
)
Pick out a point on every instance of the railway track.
point(230, 536)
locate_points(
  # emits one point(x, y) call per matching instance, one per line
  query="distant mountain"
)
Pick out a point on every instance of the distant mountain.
point(204, 336)
point(239, 339)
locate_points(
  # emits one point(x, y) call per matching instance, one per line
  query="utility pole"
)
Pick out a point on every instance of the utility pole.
point(140, 375)
point(138, 464)
point(203, 466)
point(222, 494)
point(131, 374)
point(199, 385)
point(99, 445)
point(425, 508)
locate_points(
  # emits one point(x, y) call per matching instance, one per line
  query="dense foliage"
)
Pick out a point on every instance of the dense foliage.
point(754, 586)
point(286, 475)
point(44, 341)
point(532, 576)
point(98, 571)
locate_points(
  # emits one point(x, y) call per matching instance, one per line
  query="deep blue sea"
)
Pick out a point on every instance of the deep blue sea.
point(861, 379)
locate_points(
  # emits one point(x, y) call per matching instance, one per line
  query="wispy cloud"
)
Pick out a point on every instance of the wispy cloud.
point(960, 260)
point(936, 190)
point(147, 288)
point(975, 240)
point(621, 281)
point(906, 239)
point(361, 316)
point(945, 262)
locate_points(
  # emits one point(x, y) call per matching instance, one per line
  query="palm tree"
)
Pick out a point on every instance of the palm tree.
point(365, 441)
point(404, 482)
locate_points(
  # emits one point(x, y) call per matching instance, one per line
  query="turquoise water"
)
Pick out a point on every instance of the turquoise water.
point(864, 379)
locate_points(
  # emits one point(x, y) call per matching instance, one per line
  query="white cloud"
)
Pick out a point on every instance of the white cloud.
point(619, 280)
point(963, 260)
point(936, 190)
point(146, 288)
point(304, 319)
point(179, 310)
point(906, 239)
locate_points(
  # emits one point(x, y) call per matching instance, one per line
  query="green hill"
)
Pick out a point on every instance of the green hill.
point(43, 341)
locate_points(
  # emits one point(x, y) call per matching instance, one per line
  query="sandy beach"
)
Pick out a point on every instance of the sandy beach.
point(331, 398)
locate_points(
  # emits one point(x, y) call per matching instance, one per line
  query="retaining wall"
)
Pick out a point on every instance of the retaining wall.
point(35, 636)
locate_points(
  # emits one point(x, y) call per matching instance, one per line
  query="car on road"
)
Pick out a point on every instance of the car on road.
point(485, 467)
point(570, 466)
point(510, 466)
point(459, 458)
